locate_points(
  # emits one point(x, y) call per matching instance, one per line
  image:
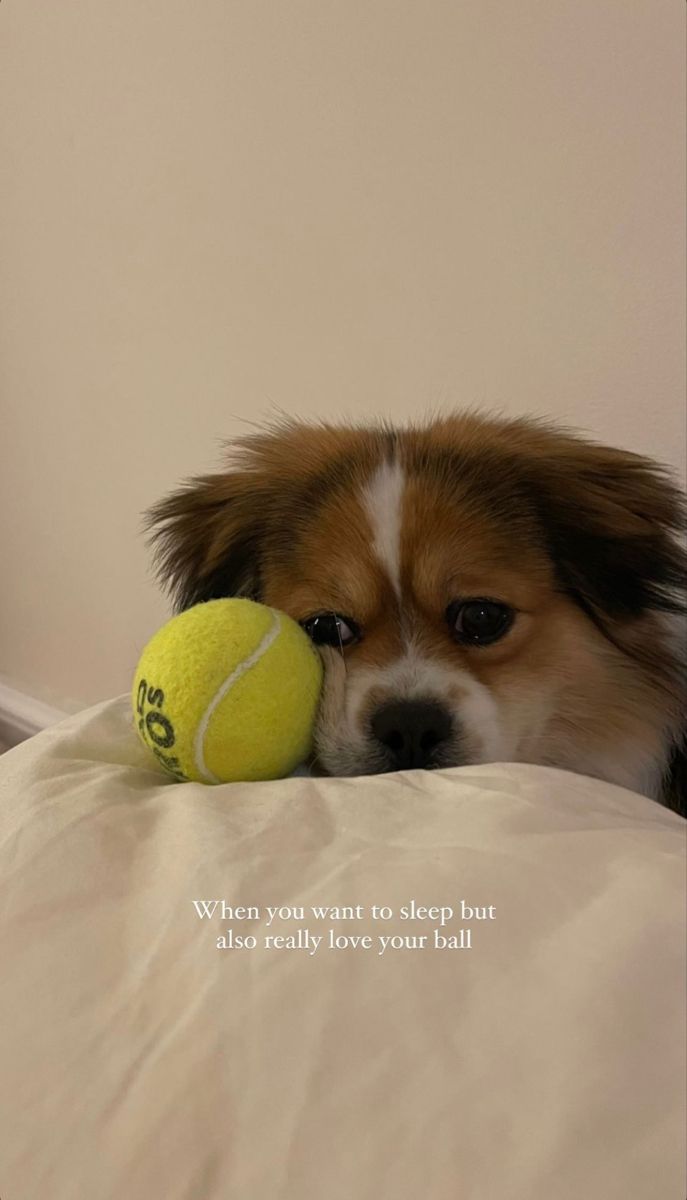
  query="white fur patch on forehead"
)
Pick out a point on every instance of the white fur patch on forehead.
point(383, 501)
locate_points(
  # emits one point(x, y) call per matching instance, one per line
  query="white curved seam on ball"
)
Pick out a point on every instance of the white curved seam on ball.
point(198, 744)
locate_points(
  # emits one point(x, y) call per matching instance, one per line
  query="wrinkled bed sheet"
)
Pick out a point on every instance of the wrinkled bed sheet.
point(146, 1054)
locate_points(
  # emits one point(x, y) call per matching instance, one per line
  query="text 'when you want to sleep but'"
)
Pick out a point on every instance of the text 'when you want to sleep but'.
point(207, 909)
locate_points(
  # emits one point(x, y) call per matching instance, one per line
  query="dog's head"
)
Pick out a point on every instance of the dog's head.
point(481, 590)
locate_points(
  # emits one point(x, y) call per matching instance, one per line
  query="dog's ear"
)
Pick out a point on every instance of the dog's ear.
point(615, 523)
point(207, 538)
point(214, 536)
point(675, 782)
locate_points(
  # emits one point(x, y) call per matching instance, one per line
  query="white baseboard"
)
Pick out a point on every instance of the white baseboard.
point(22, 715)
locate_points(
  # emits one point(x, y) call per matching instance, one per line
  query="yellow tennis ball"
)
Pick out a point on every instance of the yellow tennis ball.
point(227, 691)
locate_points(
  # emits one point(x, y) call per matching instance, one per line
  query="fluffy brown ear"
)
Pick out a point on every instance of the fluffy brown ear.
point(212, 536)
point(615, 523)
point(207, 538)
point(675, 783)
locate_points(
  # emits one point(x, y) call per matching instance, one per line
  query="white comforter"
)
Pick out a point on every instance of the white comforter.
point(536, 1055)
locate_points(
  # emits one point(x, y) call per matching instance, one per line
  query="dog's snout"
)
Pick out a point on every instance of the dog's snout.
point(411, 731)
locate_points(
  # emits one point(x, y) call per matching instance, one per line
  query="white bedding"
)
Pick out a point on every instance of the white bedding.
point(140, 1062)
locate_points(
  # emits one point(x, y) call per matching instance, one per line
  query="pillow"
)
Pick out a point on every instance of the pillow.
point(494, 1010)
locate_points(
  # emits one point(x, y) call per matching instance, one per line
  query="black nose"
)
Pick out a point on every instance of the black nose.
point(411, 730)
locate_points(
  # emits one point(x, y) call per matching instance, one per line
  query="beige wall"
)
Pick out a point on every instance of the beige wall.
point(213, 208)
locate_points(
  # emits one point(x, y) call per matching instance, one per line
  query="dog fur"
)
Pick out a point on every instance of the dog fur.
point(391, 529)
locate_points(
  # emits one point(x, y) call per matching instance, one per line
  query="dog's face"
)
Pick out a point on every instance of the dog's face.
point(481, 591)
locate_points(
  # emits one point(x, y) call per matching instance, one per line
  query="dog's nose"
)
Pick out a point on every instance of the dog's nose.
point(411, 730)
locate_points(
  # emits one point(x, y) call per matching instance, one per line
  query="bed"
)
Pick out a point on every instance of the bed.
point(494, 1010)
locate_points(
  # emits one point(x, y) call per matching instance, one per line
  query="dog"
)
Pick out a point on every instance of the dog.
point(480, 589)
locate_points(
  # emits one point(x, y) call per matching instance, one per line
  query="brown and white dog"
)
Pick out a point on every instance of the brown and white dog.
point(481, 590)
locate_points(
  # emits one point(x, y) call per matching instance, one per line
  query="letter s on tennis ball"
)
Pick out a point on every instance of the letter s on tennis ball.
point(227, 691)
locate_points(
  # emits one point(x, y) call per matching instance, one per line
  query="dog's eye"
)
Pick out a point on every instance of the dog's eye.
point(330, 629)
point(479, 622)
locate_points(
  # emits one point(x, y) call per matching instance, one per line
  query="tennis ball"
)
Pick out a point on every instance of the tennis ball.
point(226, 691)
